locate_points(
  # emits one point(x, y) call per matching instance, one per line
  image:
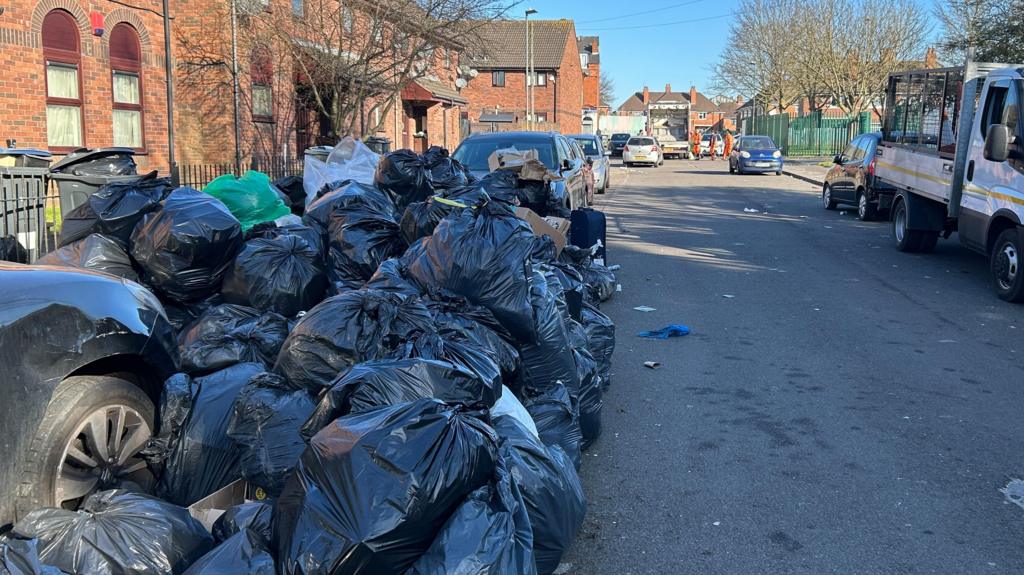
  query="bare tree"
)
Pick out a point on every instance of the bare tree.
point(760, 58)
point(992, 27)
point(606, 90)
point(853, 45)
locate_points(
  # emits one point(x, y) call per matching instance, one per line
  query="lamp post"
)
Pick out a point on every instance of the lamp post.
point(529, 71)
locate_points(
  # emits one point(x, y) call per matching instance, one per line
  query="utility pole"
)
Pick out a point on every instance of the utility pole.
point(529, 71)
point(235, 88)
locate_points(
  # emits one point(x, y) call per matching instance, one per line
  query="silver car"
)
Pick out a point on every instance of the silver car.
point(597, 155)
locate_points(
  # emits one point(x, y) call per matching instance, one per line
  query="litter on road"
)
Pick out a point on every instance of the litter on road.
point(644, 308)
point(674, 330)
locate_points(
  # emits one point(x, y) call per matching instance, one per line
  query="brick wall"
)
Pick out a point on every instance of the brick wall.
point(23, 81)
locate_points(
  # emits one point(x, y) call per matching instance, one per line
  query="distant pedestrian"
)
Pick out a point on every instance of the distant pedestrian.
point(713, 146)
point(728, 144)
point(695, 144)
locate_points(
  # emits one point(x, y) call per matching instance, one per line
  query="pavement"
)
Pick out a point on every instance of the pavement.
point(839, 407)
point(808, 170)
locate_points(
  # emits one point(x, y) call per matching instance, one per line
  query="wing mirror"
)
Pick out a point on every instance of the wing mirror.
point(997, 143)
point(838, 159)
point(566, 165)
point(590, 161)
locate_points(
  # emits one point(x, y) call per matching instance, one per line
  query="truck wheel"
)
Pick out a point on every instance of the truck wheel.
point(826, 197)
point(910, 240)
point(866, 211)
point(88, 440)
point(1006, 266)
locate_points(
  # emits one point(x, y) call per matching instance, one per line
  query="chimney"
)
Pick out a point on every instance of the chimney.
point(931, 59)
point(693, 95)
point(593, 46)
point(647, 96)
point(739, 99)
point(668, 88)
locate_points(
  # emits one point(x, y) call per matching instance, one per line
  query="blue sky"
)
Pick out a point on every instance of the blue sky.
point(656, 42)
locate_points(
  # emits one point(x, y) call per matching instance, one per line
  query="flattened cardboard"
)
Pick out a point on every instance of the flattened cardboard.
point(555, 228)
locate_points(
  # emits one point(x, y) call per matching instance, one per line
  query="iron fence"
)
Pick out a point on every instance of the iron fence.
point(810, 135)
point(200, 175)
point(30, 218)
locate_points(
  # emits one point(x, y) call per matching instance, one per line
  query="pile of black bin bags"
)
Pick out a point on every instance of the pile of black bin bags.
point(408, 379)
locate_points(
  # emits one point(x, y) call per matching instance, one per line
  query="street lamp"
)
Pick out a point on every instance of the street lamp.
point(529, 70)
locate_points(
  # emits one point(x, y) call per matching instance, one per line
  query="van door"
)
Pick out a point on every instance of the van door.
point(993, 187)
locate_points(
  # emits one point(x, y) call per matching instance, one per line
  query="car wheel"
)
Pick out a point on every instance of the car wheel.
point(778, 172)
point(1006, 266)
point(826, 197)
point(866, 211)
point(732, 169)
point(88, 439)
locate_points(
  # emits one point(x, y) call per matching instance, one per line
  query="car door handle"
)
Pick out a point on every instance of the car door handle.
point(970, 171)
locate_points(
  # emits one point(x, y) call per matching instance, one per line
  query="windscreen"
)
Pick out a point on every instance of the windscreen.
point(589, 146)
point(757, 143)
point(620, 137)
point(641, 142)
point(474, 153)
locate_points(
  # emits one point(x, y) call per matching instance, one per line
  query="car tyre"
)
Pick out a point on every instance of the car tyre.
point(866, 211)
point(732, 169)
point(81, 413)
point(1006, 261)
point(826, 197)
point(910, 241)
point(604, 184)
point(778, 172)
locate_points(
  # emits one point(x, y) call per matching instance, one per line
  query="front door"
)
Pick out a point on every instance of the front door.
point(420, 137)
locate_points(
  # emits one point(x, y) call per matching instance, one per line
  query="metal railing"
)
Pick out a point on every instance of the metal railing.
point(200, 175)
point(30, 218)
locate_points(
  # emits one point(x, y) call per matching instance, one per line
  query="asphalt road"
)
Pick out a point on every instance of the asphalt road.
point(840, 407)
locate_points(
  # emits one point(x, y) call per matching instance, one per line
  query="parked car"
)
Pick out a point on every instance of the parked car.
point(755, 154)
point(588, 168)
point(851, 180)
point(705, 144)
point(618, 141)
point(553, 150)
point(85, 355)
point(673, 148)
point(642, 150)
point(598, 158)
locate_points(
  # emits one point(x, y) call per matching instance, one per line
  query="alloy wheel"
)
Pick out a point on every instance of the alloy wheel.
point(1007, 266)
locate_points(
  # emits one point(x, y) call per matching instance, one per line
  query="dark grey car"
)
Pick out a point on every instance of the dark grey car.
point(851, 180)
point(84, 355)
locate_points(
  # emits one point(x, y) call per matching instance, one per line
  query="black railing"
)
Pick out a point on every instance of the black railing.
point(199, 175)
point(30, 217)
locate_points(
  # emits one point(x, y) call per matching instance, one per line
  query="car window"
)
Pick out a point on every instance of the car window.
point(640, 142)
point(620, 137)
point(757, 143)
point(474, 153)
point(850, 151)
point(589, 146)
point(563, 150)
point(574, 146)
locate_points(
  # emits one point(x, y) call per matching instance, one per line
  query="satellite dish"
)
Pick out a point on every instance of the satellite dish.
point(419, 66)
point(473, 73)
point(461, 83)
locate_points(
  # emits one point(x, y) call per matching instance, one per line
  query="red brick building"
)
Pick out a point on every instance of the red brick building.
point(500, 86)
point(84, 73)
point(590, 60)
point(685, 111)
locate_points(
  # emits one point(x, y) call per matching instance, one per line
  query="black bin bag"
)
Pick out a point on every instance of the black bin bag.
point(117, 532)
point(284, 275)
point(270, 230)
point(244, 553)
point(185, 247)
point(590, 398)
point(254, 516)
point(115, 209)
point(477, 325)
point(392, 277)
point(600, 281)
point(550, 488)
point(11, 250)
point(202, 457)
point(228, 334)
point(489, 534)
point(345, 330)
point(601, 340)
point(548, 360)
point(373, 489)
point(404, 176)
point(94, 252)
point(448, 345)
point(444, 171)
point(483, 255)
point(265, 424)
point(21, 557)
point(557, 420)
point(179, 391)
point(379, 383)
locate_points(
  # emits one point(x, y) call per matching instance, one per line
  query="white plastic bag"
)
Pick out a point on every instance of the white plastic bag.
point(349, 160)
point(509, 405)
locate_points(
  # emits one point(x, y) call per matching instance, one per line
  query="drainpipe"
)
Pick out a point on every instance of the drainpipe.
point(168, 72)
point(235, 89)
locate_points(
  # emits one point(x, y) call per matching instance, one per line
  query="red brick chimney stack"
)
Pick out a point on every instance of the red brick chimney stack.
point(693, 95)
point(668, 88)
point(647, 95)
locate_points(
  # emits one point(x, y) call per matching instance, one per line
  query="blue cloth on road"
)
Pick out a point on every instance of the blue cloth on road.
point(674, 330)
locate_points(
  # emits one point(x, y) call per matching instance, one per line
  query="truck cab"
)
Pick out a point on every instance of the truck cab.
point(953, 148)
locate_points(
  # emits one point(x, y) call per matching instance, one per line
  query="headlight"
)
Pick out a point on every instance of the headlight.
point(744, 154)
point(776, 154)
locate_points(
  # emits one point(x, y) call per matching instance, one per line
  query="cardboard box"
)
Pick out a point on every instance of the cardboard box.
point(510, 159)
point(209, 509)
point(555, 228)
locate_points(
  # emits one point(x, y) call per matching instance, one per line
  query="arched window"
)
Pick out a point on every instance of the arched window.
point(126, 70)
point(262, 72)
point(63, 60)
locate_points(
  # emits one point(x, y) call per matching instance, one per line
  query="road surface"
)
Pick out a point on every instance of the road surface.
point(840, 407)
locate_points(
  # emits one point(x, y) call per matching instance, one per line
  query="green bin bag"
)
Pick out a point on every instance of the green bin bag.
point(249, 198)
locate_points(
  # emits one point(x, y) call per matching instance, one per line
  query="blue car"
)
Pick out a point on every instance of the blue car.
point(755, 154)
